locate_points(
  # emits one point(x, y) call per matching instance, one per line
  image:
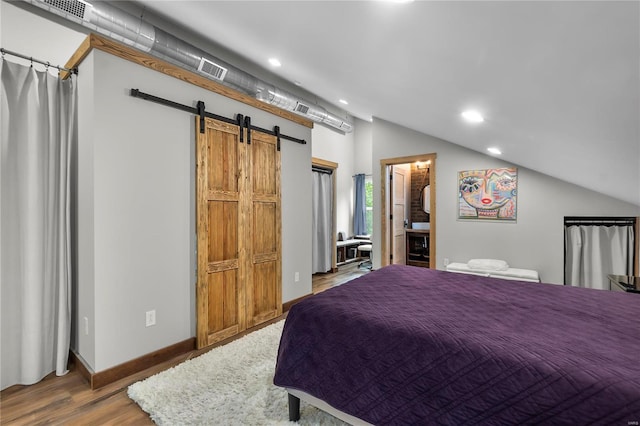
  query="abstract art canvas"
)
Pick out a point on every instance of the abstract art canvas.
point(488, 195)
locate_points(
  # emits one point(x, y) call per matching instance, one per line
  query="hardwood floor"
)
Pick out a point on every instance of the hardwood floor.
point(69, 400)
point(322, 282)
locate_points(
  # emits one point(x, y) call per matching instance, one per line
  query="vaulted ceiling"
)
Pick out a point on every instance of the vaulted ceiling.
point(558, 83)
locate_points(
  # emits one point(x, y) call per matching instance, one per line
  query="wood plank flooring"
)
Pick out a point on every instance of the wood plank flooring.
point(322, 282)
point(68, 400)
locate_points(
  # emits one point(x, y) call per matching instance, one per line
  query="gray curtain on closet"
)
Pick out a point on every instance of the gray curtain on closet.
point(322, 222)
point(595, 251)
point(359, 209)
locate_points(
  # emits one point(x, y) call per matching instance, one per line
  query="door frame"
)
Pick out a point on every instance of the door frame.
point(385, 163)
point(330, 165)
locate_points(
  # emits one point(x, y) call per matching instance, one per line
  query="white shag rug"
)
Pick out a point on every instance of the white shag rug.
point(229, 385)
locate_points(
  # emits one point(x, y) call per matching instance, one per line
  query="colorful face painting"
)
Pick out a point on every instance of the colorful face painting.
point(488, 194)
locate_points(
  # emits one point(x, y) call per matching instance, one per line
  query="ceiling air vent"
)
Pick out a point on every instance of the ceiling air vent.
point(212, 69)
point(334, 121)
point(301, 108)
point(73, 7)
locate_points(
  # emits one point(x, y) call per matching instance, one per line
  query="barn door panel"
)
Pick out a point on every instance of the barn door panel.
point(221, 229)
point(264, 292)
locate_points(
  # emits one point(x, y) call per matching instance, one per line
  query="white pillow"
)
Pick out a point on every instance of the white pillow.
point(488, 264)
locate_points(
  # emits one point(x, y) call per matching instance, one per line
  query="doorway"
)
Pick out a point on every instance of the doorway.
point(324, 215)
point(422, 196)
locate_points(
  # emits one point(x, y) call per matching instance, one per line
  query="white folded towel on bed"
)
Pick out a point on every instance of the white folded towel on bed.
point(488, 264)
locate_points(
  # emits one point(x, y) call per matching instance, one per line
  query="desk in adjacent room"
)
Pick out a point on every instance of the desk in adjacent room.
point(344, 247)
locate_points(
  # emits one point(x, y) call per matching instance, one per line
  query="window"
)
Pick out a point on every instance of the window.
point(368, 202)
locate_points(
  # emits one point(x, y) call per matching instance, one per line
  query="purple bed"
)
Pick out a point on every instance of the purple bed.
point(407, 345)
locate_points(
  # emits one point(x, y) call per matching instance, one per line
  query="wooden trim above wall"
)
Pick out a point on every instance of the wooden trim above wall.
point(323, 163)
point(95, 41)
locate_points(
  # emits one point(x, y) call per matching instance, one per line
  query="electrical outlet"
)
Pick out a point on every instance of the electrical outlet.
point(446, 261)
point(296, 277)
point(151, 318)
point(86, 326)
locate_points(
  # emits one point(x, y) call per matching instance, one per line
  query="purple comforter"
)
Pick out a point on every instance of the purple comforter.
point(406, 345)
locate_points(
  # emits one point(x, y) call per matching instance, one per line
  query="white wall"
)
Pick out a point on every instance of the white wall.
point(83, 213)
point(339, 148)
point(363, 145)
point(142, 157)
point(536, 241)
point(296, 213)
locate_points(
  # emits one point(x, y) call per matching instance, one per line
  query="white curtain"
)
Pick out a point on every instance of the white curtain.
point(38, 124)
point(322, 222)
point(594, 251)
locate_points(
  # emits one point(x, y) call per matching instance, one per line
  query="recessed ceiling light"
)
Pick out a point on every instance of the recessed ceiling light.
point(494, 150)
point(472, 116)
point(342, 101)
point(274, 62)
point(297, 83)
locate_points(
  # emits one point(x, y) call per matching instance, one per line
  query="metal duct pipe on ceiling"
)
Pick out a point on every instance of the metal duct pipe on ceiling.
point(108, 20)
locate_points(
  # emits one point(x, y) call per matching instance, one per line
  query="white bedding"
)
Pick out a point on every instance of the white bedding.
point(508, 274)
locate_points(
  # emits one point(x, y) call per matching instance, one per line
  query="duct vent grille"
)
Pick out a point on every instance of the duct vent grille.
point(73, 7)
point(212, 69)
point(301, 108)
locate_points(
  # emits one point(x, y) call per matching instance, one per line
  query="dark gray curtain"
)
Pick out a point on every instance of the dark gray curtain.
point(359, 211)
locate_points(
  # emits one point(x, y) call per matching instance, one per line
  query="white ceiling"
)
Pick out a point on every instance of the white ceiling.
point(557, 82)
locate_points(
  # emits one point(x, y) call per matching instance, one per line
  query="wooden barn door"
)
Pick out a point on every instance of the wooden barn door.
point(238, 214)
point(264, 293)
